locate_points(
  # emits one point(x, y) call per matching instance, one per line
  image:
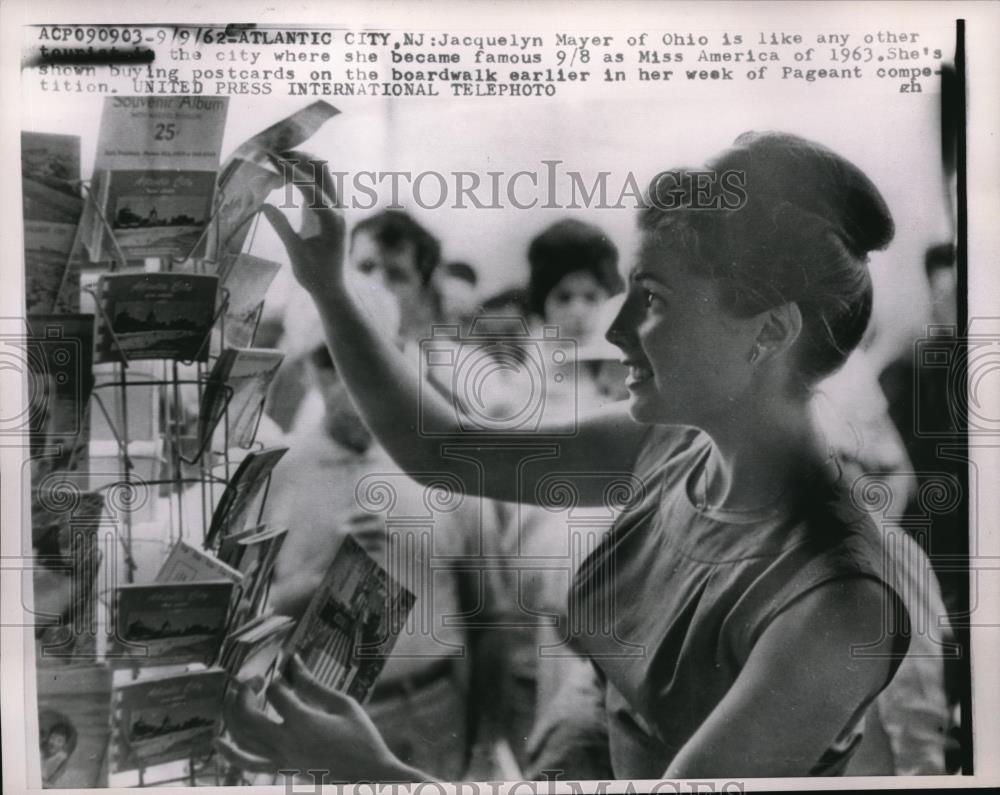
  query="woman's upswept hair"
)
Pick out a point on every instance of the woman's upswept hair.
point(801, 232)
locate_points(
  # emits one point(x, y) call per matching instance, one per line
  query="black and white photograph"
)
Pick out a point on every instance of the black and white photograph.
point(567, 396)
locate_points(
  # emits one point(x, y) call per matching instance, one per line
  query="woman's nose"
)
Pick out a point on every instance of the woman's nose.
point(623, 324)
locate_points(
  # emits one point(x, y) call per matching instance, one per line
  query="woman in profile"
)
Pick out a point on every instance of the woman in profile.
point(750, 620)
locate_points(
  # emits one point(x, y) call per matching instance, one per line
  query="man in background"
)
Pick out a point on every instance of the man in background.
point(422, 702)
point(457, 284)
point(390, 254)
point(394, 250)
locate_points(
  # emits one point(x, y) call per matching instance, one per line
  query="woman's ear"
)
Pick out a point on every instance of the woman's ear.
point(779, 331)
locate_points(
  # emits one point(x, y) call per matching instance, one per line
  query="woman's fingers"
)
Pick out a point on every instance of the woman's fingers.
point(318, 168)
point(250, 744)
point(250, 726)
point(288, 236)
point(316, 252)
point(243, 760)
point(311, 691)
point(308, 171)
point(331, 222)
point(288, 705)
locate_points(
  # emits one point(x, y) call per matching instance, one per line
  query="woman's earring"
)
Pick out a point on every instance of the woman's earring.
point(754, 352)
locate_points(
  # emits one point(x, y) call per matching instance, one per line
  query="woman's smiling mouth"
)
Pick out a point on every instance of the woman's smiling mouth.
point(637, 373)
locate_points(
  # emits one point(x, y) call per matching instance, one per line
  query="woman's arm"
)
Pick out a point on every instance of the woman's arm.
point(801, 686)
point(399, 407)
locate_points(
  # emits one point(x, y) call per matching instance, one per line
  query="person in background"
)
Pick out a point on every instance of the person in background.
point(573, 274)
point(911, 387)
point(926, 409)
point(510, 302)
point(573, 269)
point(564, 734)
point(394, 249)
point(853, 413)
point(423, 701)
point(924, 406)
point(389, 253)
point(925, 403)
point(501, 316)
point(456, 283)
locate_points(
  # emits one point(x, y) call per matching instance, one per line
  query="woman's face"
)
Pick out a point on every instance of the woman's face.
point(572, 305)
point(687, 356)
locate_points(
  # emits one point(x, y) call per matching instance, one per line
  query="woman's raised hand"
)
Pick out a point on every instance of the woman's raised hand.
point(321, 730)
point(317, 259)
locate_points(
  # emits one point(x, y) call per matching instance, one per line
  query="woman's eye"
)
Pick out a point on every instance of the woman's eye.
point(649, 298)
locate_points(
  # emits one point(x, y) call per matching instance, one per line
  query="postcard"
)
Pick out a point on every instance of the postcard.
point(256, 556)
point(188, 563)
point(171, 623)
point(244, 281)
point(67, 543)
point(242, 188)
point(254, 648)
point(153, 188)
point(158, 720)
point(247, 483)
point(53, 204)
point(158, 213)
point(235, 393)
point(74, 725)
point(288, 133)
point(155, 316)
point(352, 622)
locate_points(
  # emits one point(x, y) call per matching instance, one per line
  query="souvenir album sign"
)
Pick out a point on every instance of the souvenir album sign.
point(155, 173)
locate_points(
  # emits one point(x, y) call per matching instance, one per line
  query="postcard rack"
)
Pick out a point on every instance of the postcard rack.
point(176, 400)
point(191, 473)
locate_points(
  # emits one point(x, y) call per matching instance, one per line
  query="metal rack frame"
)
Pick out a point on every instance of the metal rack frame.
point(202, 767)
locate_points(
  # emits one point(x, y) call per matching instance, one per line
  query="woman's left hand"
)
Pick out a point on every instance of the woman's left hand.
point(321, 732)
